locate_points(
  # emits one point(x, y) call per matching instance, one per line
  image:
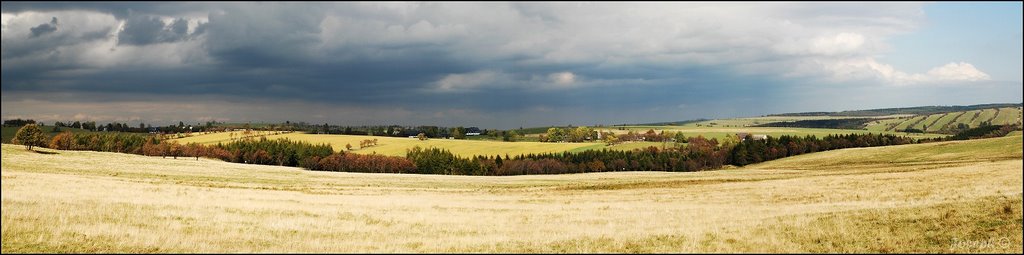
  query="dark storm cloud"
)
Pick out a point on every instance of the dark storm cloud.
point(45, 28)
point(142, 30)
point(120, 10)
point(503, 64)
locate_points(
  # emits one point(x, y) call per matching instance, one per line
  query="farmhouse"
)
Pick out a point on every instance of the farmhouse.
point(472, 133)
point(756, 137)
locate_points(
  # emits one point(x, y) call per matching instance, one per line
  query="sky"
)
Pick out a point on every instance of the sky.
point(498, 65)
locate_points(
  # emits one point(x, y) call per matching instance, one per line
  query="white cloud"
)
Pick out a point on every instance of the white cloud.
point(469, 81)
point(869, 68)
point(958, 72)
point(563, 78)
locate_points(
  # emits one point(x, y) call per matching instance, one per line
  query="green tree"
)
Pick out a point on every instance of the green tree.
point(510, 136)
point(610, 139)
point(555, 134)
point(30, 135)
point(459, 132)
point(680, 137)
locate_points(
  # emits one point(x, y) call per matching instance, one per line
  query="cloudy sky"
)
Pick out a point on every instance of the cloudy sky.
point(499, 65)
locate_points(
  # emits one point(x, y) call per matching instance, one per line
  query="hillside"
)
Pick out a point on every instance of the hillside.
point(911, 198)
point(920, 110)
point(723, 131)
point(949, 122)
point(944, 123)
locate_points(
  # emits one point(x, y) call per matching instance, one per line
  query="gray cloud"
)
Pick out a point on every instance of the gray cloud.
point(567, 62)
point(45, 28)
point(142, 30)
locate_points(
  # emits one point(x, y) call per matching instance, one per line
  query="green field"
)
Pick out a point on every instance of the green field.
point(986, 115)
point(627, 146)
point(397, 146)
point(722, 132)
point(944, 122)
point(929, 121)
point(1007, 115)
point(922, 198)
point(751, 121)
point(9, 132)
point(884, 124)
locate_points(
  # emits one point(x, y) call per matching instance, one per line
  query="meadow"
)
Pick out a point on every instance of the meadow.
point(962, 196)
point(396, 146)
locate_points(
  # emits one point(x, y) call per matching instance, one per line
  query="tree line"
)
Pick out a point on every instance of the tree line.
point(181, 127)
point(697, 154)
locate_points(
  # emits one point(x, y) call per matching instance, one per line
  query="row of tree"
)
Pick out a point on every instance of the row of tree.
point(697, 154)
point(751, 151)
point(569, 135)
point(587, 134)
point(181, 127)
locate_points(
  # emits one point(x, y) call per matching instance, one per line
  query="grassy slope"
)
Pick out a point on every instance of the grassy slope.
point(936, 122)
point(721, 132)
point(884, 124)
point(909, 122)
point(985, 115)
point(930, 121)
point(396, 146)
point(912, 198)
point(743, 122)
point(1007, 115)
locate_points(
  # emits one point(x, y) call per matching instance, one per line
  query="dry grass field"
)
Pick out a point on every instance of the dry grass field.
point(941, 197)
point(397, 146)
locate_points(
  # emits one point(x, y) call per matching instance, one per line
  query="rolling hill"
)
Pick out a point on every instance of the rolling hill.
point(920, 110)
point(911, 198)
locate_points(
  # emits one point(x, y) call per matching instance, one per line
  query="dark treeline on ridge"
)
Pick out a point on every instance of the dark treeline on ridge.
point(852, 123)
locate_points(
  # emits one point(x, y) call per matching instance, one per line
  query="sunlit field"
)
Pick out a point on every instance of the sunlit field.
point(960, 196)
point(397, 146)
point(938, 122)
point(720, 132)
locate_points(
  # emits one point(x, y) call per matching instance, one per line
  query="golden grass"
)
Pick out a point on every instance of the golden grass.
point(940, 197)
point(397, 146)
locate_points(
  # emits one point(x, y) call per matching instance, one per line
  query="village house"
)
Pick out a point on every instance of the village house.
point(756, 137)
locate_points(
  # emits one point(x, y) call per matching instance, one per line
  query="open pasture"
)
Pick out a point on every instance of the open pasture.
point(911, 198)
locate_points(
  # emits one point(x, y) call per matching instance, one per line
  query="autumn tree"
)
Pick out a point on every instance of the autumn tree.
point(30, 135)
point(63, 141)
